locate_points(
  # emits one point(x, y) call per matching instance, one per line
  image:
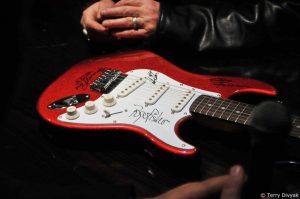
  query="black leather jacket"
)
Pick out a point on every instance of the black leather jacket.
point(229, 24)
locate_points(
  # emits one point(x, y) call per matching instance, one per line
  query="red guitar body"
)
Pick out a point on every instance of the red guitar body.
point(78, 78)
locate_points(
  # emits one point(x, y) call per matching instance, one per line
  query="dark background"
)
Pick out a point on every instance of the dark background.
point(47, 42)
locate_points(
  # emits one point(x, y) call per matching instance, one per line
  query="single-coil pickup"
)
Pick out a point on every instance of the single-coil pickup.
point(184, 99)
point(132, 87)
point(154, 97)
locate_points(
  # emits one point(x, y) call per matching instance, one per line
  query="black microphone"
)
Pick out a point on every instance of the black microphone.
point(269, 125)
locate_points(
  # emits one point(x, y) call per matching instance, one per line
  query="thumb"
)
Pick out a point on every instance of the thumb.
point(233, 186)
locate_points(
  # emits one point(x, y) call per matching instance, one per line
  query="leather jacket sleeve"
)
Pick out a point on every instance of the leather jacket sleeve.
point(219, 24)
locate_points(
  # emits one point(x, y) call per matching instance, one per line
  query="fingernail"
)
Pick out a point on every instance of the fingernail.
point(235, 170)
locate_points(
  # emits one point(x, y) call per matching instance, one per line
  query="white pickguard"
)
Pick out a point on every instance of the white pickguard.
point(157, 119)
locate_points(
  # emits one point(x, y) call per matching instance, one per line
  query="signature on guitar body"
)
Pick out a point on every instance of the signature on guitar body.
point(141, 92)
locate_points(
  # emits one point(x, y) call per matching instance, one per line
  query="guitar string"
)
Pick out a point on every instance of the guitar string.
point(131, 78)
point(145, 89)
point(295, 129)
point(242, 115)
point(172, 94)
point(152, 88)
point(165, 98)
point(294, 117)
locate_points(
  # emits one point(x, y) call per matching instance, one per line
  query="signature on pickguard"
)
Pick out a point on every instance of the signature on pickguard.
point(154, 116)
point(152, 77)
point(222, 82)
point(84, 81)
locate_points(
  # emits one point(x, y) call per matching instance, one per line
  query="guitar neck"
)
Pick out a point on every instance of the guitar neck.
point(232, 111)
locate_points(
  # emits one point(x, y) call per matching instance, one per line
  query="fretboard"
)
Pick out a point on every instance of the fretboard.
point(232, 111)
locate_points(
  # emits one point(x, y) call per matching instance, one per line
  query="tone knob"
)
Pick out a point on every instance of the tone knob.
point(72, 113)
point(90, 108)
point(109, 100)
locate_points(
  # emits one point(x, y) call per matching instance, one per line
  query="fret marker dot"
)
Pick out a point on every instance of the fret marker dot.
point(222, 108)
point(237, 111)
point(209, 105)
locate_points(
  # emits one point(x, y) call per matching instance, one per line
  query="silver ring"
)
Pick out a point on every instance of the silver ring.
point(135, 24)
point(85, 32)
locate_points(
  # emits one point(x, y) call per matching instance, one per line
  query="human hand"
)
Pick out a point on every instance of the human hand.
point(230, 187)
point(91, 18)
point(132, 18)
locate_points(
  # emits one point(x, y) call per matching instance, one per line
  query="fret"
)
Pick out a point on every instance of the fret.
point(220, 109)
point(229, 110)
point(224, 110)
point(205, 105)
point(243, 118)
point(248, 117)
point(216, 108)
point(239, 115)
point(245, 114)
point(222, 101)
point(211, 105)
point(233, 111)
point(199, 103)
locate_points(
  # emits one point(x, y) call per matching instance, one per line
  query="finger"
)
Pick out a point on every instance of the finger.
point(126, 22)
point(233, 187)
point(94, 25)
point(197, 189)
point(122, 11)
point(102, 5)
point(140, 33)
point(89, 21)
point(129, 3)
point(98, 15)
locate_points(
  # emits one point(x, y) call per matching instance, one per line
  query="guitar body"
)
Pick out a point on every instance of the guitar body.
point(145, 94)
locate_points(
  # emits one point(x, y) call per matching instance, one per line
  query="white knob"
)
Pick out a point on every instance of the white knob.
point(72, 113)
point(109, 100)
point(90, 107)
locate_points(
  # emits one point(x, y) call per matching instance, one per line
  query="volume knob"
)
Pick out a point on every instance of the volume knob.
point(72, 113)
point(109, 100)
point(90, 108)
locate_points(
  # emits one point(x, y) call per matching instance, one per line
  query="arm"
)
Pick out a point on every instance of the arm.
point(220, 24)
point(227, 186)
point(224, 24)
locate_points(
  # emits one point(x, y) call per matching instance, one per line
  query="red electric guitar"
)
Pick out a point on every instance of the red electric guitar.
point(141, 92)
